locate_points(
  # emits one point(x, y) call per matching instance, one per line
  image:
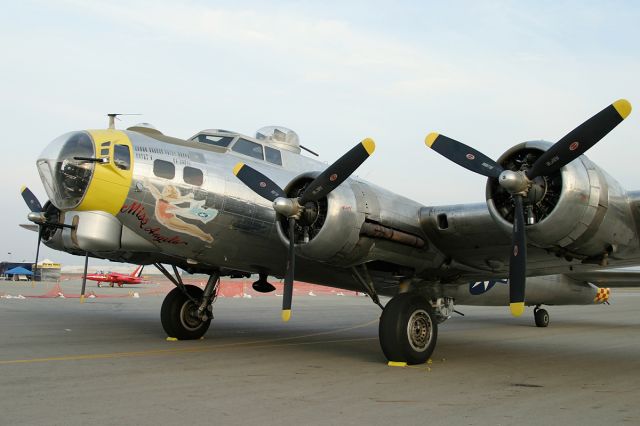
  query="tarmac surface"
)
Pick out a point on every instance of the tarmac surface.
point(107, 361)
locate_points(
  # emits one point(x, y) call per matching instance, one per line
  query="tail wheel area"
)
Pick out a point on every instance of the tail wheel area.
point(408, 329)
point(541, 317)
point(179, 314)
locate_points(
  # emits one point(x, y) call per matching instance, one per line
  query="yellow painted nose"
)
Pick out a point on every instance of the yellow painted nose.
point(111, 179)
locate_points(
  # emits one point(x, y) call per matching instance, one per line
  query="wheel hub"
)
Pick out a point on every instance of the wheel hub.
point(419, 330)
point(189, 316)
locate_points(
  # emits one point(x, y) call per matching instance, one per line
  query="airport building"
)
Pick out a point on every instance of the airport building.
point(20, 271)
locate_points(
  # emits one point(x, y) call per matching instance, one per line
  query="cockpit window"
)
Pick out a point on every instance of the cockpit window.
point(249, 148)
point(273, 155)
point(164, 169)
point(122, 157)
point(222, 141)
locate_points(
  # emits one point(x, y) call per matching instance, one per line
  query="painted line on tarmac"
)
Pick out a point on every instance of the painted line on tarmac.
point(255, 344)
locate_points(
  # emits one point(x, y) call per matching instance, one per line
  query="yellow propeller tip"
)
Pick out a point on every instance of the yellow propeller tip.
point(369, 145)
point(286, 315)
point(517, 308)
point(237, 168)
point(623, 107)
point(431, 138)
point(22, 188)
point(82, 298)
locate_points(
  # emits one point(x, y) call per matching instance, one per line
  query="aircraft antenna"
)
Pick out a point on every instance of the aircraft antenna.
point(113, 117)
point(309, 151)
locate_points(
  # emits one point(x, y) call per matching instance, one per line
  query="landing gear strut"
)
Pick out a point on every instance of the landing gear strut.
point(408, 329)
point(186, 311)
point(541, 316)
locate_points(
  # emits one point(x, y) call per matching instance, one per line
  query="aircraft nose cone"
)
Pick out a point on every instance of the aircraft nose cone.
point(66, 177)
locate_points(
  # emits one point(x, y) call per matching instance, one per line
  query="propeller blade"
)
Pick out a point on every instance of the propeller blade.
point(463, 155)
point(580, 139)
point(288, 279)
point(259, 183)
point(338, 172)
point(518, 261)
point(31, 200)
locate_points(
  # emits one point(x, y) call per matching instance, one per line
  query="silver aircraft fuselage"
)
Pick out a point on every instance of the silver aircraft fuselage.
point(178, 201)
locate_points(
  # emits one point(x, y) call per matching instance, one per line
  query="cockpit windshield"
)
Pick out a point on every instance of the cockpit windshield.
point(66, 168)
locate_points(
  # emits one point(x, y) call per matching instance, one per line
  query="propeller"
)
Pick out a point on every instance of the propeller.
point(299, 208)
point(518, 183)
point(40, 216)
point(36, 213)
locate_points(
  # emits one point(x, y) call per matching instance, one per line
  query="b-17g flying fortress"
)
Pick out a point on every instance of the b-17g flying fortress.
point(418, 212)
point(196, 209)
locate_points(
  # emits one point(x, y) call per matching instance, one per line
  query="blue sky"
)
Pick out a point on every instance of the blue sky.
point(490, 74)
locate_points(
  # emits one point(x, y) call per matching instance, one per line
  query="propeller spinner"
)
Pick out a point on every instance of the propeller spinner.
point(296, 208)
point(518, 183)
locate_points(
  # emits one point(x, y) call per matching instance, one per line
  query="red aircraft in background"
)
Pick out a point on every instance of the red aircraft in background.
point(116, 278)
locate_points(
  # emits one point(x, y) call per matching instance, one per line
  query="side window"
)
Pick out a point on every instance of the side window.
point(122, 157)
point(273, 155)
point(104, 149)
point(222, 141)
point(249, 148)
point(192, 176)
point(164, 169)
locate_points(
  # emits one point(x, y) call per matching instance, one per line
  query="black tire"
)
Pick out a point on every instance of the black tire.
point(397, 343)
point(541, 316)
point(175, 314)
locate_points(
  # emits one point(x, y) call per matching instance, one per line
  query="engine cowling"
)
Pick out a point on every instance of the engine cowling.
point(329, 230)
point(572, 211)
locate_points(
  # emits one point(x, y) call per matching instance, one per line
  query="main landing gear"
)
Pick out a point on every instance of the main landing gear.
point(186, 311)
point(408, 328)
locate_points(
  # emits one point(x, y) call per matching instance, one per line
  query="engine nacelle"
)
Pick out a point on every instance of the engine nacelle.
point(331, 234)
point(577, 211)
point(358, 223)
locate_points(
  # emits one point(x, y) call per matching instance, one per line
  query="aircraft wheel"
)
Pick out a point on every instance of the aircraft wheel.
point(408, 330)
point(179, 314)
point(541, 317)
point(110, 284)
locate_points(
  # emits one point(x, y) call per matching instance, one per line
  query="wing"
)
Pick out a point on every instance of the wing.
point(476, 247)
point(610, 277)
